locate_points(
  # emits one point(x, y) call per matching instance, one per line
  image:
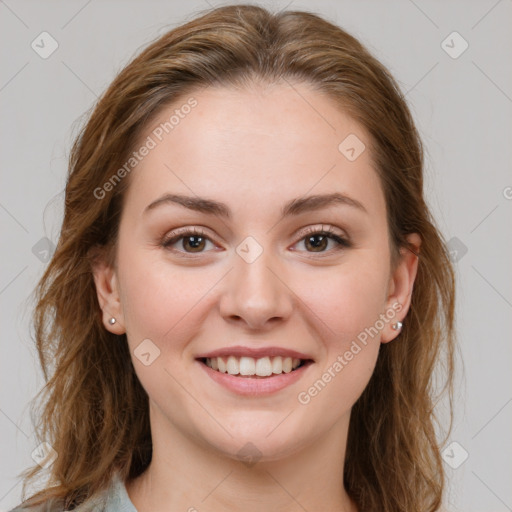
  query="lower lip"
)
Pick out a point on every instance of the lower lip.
point(256, 386)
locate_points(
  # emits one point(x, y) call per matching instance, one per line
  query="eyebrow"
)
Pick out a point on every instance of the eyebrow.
point(294, 207)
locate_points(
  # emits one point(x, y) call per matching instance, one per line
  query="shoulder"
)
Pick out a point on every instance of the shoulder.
point(113, 499)
point(49, 506)
point(94, 504)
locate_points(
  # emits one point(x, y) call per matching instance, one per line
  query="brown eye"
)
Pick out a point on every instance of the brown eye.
point(196, 243)
point(192, 242)
point(317, 241)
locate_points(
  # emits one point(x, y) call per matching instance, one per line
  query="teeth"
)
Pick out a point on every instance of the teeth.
point(262, 367)
point(277, 365)
point(247, 366)
point(233, 366)
point(221, 364)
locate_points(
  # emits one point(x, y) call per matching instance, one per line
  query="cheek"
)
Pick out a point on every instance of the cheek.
point(346, 299)
point(347, 304)
point(157, 296)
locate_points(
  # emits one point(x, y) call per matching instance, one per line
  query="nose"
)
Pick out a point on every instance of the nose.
point(256, 294)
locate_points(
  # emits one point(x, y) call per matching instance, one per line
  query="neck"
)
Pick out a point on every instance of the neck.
point(185, 475)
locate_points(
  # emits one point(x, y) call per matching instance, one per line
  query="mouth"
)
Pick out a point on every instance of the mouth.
point(266, 367)
point(255, 371)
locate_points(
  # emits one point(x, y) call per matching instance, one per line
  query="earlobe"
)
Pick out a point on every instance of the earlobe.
point(107, 290)
point(401, 286)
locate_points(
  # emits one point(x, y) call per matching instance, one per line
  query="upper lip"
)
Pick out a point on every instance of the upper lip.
point(256, 353)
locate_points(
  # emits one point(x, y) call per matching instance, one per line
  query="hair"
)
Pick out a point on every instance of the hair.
point(94, 411)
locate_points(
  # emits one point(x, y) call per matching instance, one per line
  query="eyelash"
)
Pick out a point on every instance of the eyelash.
point(175, 236)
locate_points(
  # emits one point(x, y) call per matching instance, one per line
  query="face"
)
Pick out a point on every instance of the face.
point(266, 280)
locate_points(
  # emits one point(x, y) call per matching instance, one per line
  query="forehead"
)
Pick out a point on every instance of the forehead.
point(262, 143)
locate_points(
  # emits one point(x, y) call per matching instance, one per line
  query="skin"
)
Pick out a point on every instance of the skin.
point(253, 149)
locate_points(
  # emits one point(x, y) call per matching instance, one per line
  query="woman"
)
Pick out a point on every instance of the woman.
point(249, 296)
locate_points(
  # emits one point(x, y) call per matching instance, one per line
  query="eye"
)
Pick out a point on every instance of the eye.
point(318, 239)
point(192, 240)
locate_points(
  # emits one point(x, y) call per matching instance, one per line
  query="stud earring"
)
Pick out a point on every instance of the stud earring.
point(397, 326)
point(112, 321)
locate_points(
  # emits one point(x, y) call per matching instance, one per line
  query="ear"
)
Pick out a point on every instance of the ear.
point(401, 284)
point(107, 289)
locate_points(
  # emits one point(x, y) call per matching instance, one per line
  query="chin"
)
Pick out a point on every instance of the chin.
point(258, 439)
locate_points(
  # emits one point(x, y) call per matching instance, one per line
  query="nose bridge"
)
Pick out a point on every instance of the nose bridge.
point(255, 292)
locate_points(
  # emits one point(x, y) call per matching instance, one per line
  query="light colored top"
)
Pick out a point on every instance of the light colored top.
point(117, 497)
point(114, 499)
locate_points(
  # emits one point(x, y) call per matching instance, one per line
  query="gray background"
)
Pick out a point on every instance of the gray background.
point(463, 108)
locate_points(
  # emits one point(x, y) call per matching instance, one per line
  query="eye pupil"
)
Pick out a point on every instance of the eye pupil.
point(321, 244)
point(196, 242)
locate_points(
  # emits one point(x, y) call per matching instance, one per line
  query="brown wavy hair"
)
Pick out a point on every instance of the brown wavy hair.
point(94, 411)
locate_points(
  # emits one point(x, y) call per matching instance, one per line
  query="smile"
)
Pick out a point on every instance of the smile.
point(250, 366)
point(252, 377)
